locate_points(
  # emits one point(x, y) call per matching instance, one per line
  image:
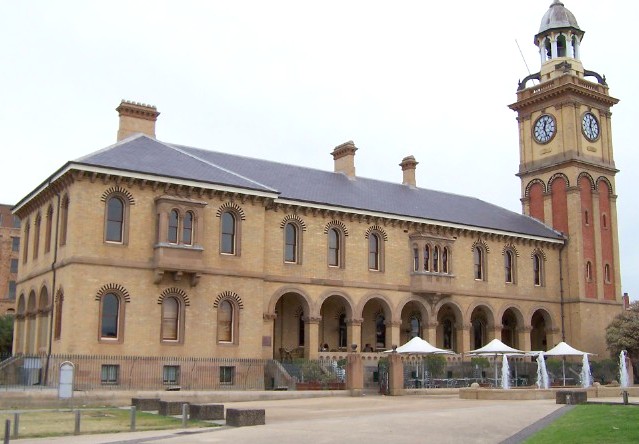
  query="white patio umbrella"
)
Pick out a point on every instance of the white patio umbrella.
point(419, 346)
point(563, 349)
point(495, 348)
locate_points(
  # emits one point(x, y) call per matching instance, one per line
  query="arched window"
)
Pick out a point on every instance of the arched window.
point(380, 331)
point(290, 243)
point(561, 46)
point(25, 251)
point(537, 269)
point(115, 219)
point(478, 260)
point(64, 219)
point(427, 258)
point(301, 330)
point(445, 260)
point(227, 245)
point(174, 221)
point(170, 319)
point(57, 331)
point(342, 330)
point(604, 221)
point(586, 217)
point(479, 333)
point(607, 273)
point(588, 271)
point(187, 229)
point(109, 325)
point(508, 267)
point(415, 259)
point(334, 247)
point(415, 327)
point(373, 252)
point(225, 325)
point(448, 335)
point(436, 259)
point(36, 236)
point(48, 228)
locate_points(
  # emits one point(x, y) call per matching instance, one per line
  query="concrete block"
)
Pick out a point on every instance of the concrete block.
point(206, 411)
point(171, 408)
point(245, 417)
point(571, 396)
point(146, 404)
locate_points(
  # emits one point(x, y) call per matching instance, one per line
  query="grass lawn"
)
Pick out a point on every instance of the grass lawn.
point(39, 423)
point(592, 424)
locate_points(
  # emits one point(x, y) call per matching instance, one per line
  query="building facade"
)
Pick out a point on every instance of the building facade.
point(9, 249)
point(152, 249)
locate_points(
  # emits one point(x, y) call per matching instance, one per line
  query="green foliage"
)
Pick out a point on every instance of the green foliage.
point(554, 366)
point(480, 361)
point(592, 424)
point(6, 334)
point(435, 365)
point(312, 371)
point(623, 333)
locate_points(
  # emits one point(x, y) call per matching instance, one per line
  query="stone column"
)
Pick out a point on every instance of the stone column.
point(311, 337)
point(395, 375)
point(354, 373)
point(430, 333)
point(463, 338)
point(393, 333)
point(268, 327)
point(523, 334)
point(497, 331)
point(354, 332)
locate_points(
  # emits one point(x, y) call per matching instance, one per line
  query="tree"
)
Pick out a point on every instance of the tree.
point(623, 334)
point(6, 334)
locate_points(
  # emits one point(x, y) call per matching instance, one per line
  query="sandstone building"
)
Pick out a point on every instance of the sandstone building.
point(9, 247)
point(153, 248)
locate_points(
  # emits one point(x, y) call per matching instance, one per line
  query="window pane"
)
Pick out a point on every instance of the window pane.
point(14, 265)
point(170, 311)
point(225, 322)
point(415, 259)
point(15, 244)
point(228, 233)
point(478, 259)
point(373, 252)
point(290, 248)
point(445, 260)
point(436, 259)
point(115, 219)
point(173, 227)
point(12, 289)
point(333, 247)
point(426, 258)
point(187, 229)
point(110, 309)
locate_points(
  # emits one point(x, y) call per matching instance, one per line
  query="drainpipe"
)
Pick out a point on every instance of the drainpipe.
point(53, 270)
point(561, 291)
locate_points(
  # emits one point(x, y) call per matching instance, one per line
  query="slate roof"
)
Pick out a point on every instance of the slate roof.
point(142, 154)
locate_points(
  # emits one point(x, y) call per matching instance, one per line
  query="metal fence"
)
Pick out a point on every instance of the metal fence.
point(106, 372)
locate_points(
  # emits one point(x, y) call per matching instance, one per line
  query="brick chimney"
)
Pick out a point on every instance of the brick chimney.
point(344, 157)
point(136, 118)
point(409, 164)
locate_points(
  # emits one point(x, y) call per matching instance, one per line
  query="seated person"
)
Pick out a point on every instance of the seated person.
point(368, 348)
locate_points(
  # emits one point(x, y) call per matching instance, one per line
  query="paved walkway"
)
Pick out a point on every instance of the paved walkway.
point(371, 419)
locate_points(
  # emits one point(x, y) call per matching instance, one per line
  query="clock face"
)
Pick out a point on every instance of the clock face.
point(590, 127)
point(545, 128)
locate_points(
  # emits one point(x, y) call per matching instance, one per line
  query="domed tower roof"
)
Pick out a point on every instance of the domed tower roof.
point(556, 17)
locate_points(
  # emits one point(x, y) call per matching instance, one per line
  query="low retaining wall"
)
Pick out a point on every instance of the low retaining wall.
point(48, 398)
point(519, 394)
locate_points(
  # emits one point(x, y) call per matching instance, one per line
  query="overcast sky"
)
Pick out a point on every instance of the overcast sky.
point(288, 81)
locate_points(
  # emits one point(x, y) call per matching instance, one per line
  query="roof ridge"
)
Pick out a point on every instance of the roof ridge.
point(217, 166)
point(116, 144)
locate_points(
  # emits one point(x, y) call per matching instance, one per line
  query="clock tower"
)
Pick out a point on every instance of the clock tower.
point(567, 173)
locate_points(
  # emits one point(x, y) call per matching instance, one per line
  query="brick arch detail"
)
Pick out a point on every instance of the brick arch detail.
point(586, 175)
point(228, 295)
point(532, 183)
point(293, 218)
point(113, 287)
point(480, 243)
point(174, 291)
point(603, 179)
point(511, 247)
point(377, 228)
point(233, 207)
point(118, 190)
point(337, 224)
